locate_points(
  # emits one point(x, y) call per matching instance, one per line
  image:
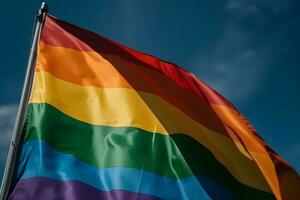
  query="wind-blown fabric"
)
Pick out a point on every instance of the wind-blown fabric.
point(107, 122)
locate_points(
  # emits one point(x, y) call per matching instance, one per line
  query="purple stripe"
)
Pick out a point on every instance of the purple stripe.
point(49, 189)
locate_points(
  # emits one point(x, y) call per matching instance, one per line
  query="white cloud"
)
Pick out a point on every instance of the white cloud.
point(231, 65)
point(7, 116)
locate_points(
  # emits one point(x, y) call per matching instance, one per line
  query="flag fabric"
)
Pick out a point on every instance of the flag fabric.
point(107, 122)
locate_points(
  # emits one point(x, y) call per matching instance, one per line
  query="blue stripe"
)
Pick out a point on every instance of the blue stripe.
point(38, 159)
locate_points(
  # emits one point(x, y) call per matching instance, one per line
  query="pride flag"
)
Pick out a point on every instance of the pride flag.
point(107, 122)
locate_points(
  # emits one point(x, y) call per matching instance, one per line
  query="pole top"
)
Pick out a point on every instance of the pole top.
point(44, 7)
point(42, 12)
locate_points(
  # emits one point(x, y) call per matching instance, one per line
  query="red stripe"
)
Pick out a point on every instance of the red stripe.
point(60, 33)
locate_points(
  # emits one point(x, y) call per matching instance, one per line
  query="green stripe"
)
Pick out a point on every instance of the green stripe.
point(177, 156)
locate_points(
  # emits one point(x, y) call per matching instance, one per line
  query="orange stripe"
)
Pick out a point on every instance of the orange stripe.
point(253, 145)
point(91, 69)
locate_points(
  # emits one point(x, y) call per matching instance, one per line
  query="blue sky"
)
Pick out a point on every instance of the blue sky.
point(246, 49)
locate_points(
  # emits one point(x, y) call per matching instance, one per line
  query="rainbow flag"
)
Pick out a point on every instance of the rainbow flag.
point(107, 122)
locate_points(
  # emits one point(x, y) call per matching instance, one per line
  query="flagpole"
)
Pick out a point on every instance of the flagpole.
point(20, 118)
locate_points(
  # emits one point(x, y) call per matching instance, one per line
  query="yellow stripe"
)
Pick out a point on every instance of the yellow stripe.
point(126, 107)
point(67, 64)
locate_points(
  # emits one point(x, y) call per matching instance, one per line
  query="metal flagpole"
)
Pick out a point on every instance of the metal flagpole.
point(20, 118)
